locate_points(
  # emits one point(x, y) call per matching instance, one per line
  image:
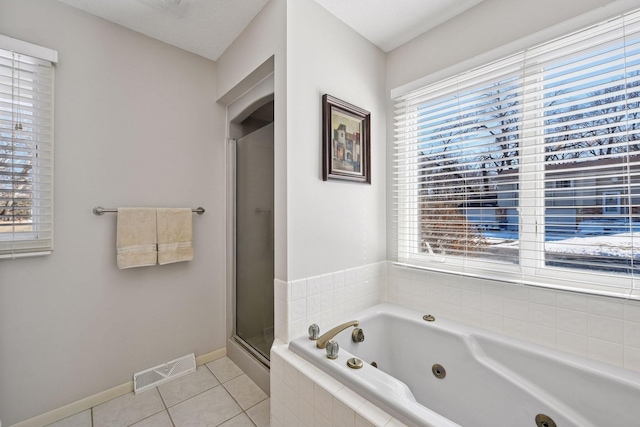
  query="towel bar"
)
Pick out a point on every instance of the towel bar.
point(99, 210)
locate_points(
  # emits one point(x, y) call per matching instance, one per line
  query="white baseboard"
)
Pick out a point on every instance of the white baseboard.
point(78, 406)
point(210, 357)
point(100, 398)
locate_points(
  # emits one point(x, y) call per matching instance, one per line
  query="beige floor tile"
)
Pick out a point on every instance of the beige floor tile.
point(183, 388)
point(127, 409)
point(195, 400)
point(224, 369)
point(207, 409)
point(82, 419)
point(238, 421)
point(161, 419)
point(245, 391)
point(261, 413)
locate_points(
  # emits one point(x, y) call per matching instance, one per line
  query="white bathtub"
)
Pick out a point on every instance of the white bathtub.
point(491, 380)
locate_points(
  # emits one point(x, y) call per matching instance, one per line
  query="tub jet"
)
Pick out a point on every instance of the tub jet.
point(543, 420)
point(439, 371)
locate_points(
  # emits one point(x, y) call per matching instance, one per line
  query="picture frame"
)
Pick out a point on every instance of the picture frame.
point(346, 141)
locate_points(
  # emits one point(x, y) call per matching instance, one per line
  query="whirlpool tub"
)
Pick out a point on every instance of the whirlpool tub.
point(442, 373)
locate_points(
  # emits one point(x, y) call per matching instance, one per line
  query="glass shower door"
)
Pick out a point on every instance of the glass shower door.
point(254, 240)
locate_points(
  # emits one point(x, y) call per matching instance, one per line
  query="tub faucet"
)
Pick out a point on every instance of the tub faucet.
point(324, 338)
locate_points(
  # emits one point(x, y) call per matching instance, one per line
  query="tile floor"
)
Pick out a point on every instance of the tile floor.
point(217, 394)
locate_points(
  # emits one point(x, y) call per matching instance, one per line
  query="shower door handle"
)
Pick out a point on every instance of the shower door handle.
point(259, 211)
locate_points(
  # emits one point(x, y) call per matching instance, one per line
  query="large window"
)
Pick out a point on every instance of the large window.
point(528, 169)
point(26, 148)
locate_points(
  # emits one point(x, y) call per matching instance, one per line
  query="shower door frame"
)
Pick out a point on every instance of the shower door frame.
point(252, 89)
point(233, 157)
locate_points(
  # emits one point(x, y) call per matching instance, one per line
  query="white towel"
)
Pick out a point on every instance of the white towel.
point(175, 235)
point(136, 240)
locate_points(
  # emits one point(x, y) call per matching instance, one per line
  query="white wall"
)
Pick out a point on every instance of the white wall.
point(486, 26)
point(320, 227)
point(264, 39)
point(333, 225)
point(136, 125)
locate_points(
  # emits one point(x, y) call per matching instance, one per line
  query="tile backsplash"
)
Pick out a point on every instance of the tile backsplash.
point(599, 328)
point(326, 299)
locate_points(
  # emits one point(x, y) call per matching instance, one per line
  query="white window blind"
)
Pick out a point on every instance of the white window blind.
point(528, 169)
point(26, 153)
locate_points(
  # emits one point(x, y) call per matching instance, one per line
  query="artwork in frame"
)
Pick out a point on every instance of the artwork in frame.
point(346, 141)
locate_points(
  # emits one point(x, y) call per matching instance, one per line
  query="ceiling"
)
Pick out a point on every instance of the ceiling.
point(208, 27)
point(391, 23)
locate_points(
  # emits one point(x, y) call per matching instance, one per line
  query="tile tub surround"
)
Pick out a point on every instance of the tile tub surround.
point(303, 395)
point(326, 299)
point(596, 327)
point(599, 328)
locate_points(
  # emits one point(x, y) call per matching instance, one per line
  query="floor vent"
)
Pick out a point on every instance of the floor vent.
point(160, 374)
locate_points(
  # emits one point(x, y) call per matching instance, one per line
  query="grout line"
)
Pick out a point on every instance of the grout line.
point(214, 375)
point(244, 411)
point(258, 403)
point(162, 398)
point(219, 380)
point(235, 400)
point(140, 420)
point(198, 394)
point(171, 418)
point(251, 419)
point(155, 413)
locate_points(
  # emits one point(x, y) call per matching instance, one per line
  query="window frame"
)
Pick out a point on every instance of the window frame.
point(530, 270)
point(40, 53)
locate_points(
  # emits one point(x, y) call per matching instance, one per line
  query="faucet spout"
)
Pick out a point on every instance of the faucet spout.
point(324, 338)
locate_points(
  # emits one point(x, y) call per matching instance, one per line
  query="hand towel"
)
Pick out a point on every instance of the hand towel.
point(175, 235)
point(136, 240)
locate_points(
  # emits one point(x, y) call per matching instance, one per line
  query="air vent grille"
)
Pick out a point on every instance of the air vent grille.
point(164, 372)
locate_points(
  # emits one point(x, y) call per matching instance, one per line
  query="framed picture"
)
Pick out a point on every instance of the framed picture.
point(346, 142)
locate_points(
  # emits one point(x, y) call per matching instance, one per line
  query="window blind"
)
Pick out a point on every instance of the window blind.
point(527, 169)
point(26, 154)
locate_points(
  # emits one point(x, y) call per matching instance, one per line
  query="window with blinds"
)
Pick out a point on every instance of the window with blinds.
point(528, 169)
point(26, 152)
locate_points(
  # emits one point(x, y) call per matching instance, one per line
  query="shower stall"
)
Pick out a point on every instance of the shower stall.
point(254, 240)
point(253, 199)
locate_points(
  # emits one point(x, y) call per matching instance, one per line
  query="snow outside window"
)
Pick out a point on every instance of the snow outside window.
point(528, 169)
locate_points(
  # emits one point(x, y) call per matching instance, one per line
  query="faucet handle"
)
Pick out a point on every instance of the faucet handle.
point(314, 332)
point(332, 349)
